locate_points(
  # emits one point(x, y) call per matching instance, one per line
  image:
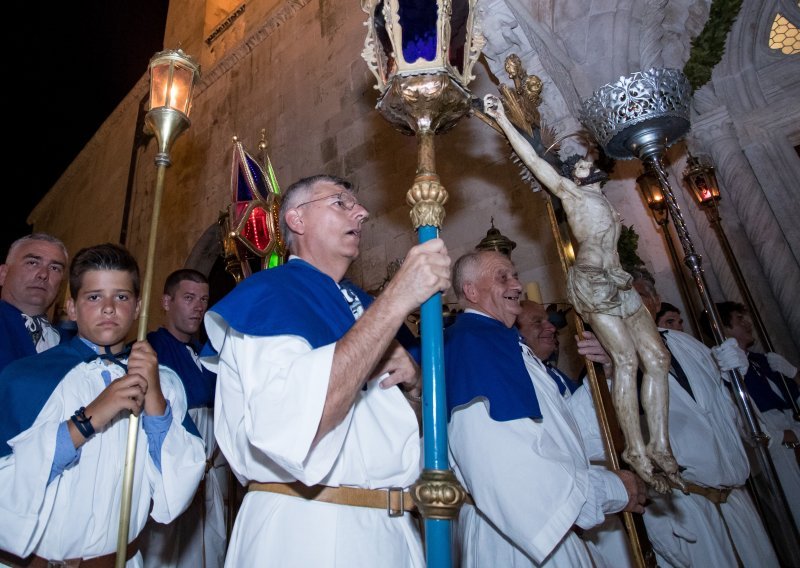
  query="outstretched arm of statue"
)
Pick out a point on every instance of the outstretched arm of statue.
point(544, 172)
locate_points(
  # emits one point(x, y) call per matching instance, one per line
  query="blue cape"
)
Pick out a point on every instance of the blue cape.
point(566, 384)
point(15, 341)
point(199, 385)
point(291, 299)
point(483, 358)
point(27, 383)
point(759, 375)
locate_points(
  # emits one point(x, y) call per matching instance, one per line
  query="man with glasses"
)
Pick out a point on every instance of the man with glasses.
point(317, 405)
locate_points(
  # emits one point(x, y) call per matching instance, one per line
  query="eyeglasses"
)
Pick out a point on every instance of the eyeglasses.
point(344, 200)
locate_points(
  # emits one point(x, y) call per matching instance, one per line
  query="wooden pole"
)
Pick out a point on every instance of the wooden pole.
point(640, 547)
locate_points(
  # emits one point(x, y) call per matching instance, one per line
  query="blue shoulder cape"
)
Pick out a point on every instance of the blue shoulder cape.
point(291, 299)
point(15, 341)
point(27, 383)
point(483, 358)
point(199, 385)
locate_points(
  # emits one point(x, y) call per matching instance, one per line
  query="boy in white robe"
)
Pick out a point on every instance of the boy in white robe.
point(60, 480)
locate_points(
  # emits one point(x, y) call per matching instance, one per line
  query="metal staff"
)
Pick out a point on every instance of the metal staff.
point(422, 77)
point(173, 75)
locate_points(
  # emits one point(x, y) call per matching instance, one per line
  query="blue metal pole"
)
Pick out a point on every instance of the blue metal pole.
point(434, 412)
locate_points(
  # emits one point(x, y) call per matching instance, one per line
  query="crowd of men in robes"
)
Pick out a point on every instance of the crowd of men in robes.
point(316, 410)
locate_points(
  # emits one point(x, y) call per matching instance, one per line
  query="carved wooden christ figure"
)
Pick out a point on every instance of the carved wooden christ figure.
point(600, 291)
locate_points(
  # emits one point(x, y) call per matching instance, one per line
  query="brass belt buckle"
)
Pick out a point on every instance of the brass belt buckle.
point(400, 511)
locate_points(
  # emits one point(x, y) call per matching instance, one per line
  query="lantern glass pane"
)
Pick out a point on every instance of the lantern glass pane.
point(159, 83)
point(181, 89)
point(458, 33)
point(384, 45)
point(256, 230)
point(702, 188)
point(418, 20)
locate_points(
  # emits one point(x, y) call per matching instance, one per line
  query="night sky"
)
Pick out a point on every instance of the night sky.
point(73, 63)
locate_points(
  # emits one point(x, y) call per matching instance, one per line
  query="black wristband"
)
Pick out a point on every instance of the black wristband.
point(83, 423)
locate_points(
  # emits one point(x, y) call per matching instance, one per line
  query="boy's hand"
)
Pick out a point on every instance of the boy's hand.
point(125, 393)
point(143, 362)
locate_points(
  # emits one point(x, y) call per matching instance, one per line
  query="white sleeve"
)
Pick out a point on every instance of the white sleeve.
point(271, 392)
point(182, 457)
point(519, 478)
point(583, 409)
point(26, 499)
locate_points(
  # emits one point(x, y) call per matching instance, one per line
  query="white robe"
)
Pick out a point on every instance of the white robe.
point(180, 544)
point(531, 482)
point(773, 423)
point(269, 400)
point(687, 530)
point(77, 514)
point(608, 540)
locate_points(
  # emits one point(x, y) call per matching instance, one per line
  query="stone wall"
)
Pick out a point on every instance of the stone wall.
point(300, 77)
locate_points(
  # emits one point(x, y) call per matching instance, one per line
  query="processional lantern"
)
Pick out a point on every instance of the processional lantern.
point(699, 176)
point(173, 76)
point(250, 227)
point(639, 116)
point(497, 241)
point(651, 189)
point(422, 53)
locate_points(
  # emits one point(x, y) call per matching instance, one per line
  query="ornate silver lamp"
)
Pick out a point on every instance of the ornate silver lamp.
point(639, 116)
point(422, 55)
point(173, 76)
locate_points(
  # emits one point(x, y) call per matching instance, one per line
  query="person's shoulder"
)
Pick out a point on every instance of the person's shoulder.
point(160, 338)
point(54, 358)
point(684, 339)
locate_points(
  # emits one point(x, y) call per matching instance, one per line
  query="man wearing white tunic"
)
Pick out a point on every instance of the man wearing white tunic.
point(608, 540)
point(197, 538)
point(717, 523)
point(60, 477)
point(317, 406)
point(513, 441)
point(770, 394)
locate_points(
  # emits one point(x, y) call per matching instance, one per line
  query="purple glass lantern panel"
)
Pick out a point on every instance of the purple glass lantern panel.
point(418, 19)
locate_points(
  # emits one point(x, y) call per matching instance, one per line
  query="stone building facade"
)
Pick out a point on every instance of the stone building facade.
point(294, 68)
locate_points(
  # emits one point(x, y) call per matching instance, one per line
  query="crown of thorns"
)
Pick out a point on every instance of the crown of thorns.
point(568, 165)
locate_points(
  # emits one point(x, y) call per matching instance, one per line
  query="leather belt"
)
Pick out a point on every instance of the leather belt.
point(713, 494)
point(105, 561)
point(394, 500)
